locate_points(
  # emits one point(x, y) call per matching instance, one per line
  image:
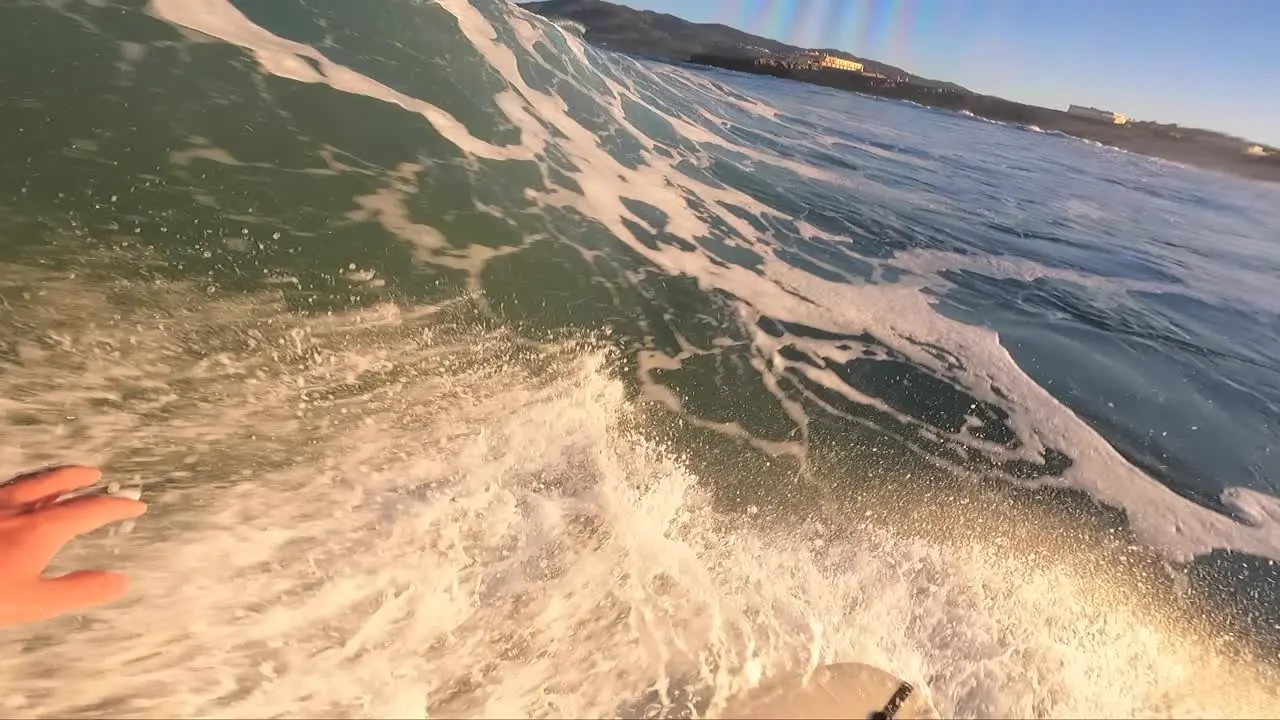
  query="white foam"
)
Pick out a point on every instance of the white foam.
point(283, 58)
point(415, 523)
point(970, 645)
point(902, 316)
point(387, 207)
point(899, 315)
point(1210, 281)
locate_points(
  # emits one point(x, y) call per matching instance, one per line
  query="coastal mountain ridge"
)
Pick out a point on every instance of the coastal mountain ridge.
point(667, 37)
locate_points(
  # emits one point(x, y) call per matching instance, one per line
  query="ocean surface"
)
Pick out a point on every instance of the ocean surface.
point(470, 370)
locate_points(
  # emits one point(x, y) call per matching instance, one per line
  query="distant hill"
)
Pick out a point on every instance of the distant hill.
point(667, 37)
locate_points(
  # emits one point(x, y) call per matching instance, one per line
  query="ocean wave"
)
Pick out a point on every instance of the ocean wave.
point(484, 372)
point(428, 517)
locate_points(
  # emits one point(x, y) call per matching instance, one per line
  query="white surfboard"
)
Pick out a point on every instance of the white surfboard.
point(841, 690)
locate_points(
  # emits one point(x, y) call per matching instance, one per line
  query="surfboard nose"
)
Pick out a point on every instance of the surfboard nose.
point(843, 690)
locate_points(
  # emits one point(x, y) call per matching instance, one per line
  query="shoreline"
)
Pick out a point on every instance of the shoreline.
point(1198, 148)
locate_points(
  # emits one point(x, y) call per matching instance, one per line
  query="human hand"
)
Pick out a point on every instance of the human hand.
point(34, 526)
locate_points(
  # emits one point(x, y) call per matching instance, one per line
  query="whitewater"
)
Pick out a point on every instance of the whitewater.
point(470, 370)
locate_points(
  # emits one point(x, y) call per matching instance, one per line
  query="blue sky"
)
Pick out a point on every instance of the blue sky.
point(1204, 63)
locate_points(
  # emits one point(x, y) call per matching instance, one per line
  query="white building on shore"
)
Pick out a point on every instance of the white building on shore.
point(1096, 114)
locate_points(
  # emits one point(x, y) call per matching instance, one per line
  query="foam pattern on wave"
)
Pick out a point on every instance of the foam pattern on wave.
point(427, 516)
point(631, 147)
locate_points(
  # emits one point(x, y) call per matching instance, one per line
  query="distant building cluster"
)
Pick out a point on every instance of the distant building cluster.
point(814, 60)
point(1096, 114)
point(824, 60)
point(838, 63)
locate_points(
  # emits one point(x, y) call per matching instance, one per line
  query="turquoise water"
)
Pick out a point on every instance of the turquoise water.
point(470, 370)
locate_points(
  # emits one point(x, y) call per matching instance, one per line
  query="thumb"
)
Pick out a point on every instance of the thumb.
point(78, 590)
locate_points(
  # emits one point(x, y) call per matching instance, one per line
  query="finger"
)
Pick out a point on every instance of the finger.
point(56, 525)
point(76, 591)
point(84, 515)
point(29, 488)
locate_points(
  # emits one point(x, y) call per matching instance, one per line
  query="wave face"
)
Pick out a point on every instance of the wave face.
point(471, 370)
